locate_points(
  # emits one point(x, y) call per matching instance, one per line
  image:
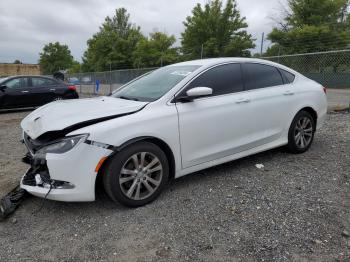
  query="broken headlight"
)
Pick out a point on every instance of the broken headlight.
point(61, 146)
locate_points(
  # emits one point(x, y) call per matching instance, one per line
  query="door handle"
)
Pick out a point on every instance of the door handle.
point(288, 93)
point(52, 89)
point(242, 100)
point(25, 91)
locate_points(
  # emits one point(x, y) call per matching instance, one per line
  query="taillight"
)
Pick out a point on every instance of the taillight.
point(72, 87)
point(325, 90)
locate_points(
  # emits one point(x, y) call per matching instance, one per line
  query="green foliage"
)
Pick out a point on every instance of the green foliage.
point(55, 57)
point(311, 26)
point(316, 12)
point(75, 68)
point(157, 50)
point(221, 31)
point(17, 62)
point(113, 44)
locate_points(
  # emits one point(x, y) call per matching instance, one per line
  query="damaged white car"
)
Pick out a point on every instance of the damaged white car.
point(168, 123)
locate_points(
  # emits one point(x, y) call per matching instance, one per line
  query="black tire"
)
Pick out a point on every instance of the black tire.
point(116, 189)
point(295, 145)
point(57, 98)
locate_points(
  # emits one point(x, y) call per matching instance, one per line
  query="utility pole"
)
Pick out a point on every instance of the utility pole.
point(202, 51)
point(262, 44)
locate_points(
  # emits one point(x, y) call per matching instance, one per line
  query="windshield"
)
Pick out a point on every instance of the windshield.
point(155, 84)
point(3, 79)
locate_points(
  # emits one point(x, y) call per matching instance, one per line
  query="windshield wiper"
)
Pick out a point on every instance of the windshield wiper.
point(128, 98)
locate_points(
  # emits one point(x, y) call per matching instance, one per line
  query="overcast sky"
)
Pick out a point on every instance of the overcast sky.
point(26, 25)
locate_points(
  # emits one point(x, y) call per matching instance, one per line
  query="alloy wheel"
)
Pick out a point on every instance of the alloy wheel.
point(303, 132)
point(140, 176)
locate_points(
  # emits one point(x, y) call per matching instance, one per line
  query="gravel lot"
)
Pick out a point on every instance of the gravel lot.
point(295, 209)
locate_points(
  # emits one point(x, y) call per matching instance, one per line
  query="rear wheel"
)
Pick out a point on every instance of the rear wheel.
point(301, 132)
point(136, 175)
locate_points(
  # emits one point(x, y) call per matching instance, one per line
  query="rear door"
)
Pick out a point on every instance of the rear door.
point(271, 100)
point(43, 90)
point(17, 93)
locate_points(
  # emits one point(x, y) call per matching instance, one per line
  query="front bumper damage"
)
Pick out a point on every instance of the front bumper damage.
point(38, 175)
point(68, 177)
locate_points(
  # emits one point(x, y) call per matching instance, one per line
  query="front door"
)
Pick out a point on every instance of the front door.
point(17, 93)
point(219, 125)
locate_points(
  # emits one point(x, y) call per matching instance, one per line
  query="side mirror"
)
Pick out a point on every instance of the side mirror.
point(2, 88)
point(194, 93)
point(199, 92)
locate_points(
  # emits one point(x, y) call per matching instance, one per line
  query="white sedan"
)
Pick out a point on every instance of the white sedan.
point(166, 124)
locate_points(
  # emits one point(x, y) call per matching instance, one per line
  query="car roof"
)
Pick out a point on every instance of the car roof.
point(30, 76)
point(213, 61)
point(11, 77)
point(208, 62)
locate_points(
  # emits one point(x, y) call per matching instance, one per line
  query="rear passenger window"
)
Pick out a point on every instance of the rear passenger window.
point(259, 76)
point(224, 79)
point(42, 82)
point(288, 77)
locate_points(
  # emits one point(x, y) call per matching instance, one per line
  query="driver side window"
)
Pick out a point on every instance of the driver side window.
point(223, 79)
point(17, 83)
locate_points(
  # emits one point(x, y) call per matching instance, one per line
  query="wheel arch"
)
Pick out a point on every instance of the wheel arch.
point(308, 109)
point(291, 145)
point(311, 111)
point(154, 140)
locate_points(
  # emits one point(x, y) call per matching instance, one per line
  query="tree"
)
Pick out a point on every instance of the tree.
point(75, 68)
point(113, 44)
point(17, 62)
point(55, 57)
point(311, 26)
point(157, 50)
point(214, 31)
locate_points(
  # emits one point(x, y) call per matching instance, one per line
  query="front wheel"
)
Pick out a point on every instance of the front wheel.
point(301, 132)
point(57, 98)
point(136, 175)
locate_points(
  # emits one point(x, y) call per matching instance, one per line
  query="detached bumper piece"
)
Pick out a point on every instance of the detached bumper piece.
point(10, 202)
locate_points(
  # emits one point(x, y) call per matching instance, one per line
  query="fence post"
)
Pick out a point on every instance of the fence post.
point(93, 78)
point(80, 83)
point(110, 78)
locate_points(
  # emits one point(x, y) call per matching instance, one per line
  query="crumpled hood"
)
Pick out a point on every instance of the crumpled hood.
point(63, 114)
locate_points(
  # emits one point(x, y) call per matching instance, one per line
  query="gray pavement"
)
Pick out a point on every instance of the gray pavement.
point(338, 99)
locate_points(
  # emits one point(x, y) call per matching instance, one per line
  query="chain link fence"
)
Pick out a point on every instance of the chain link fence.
point(331, 69)
point(103, 83)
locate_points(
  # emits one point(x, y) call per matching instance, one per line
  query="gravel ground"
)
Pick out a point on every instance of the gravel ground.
point(297, 208)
